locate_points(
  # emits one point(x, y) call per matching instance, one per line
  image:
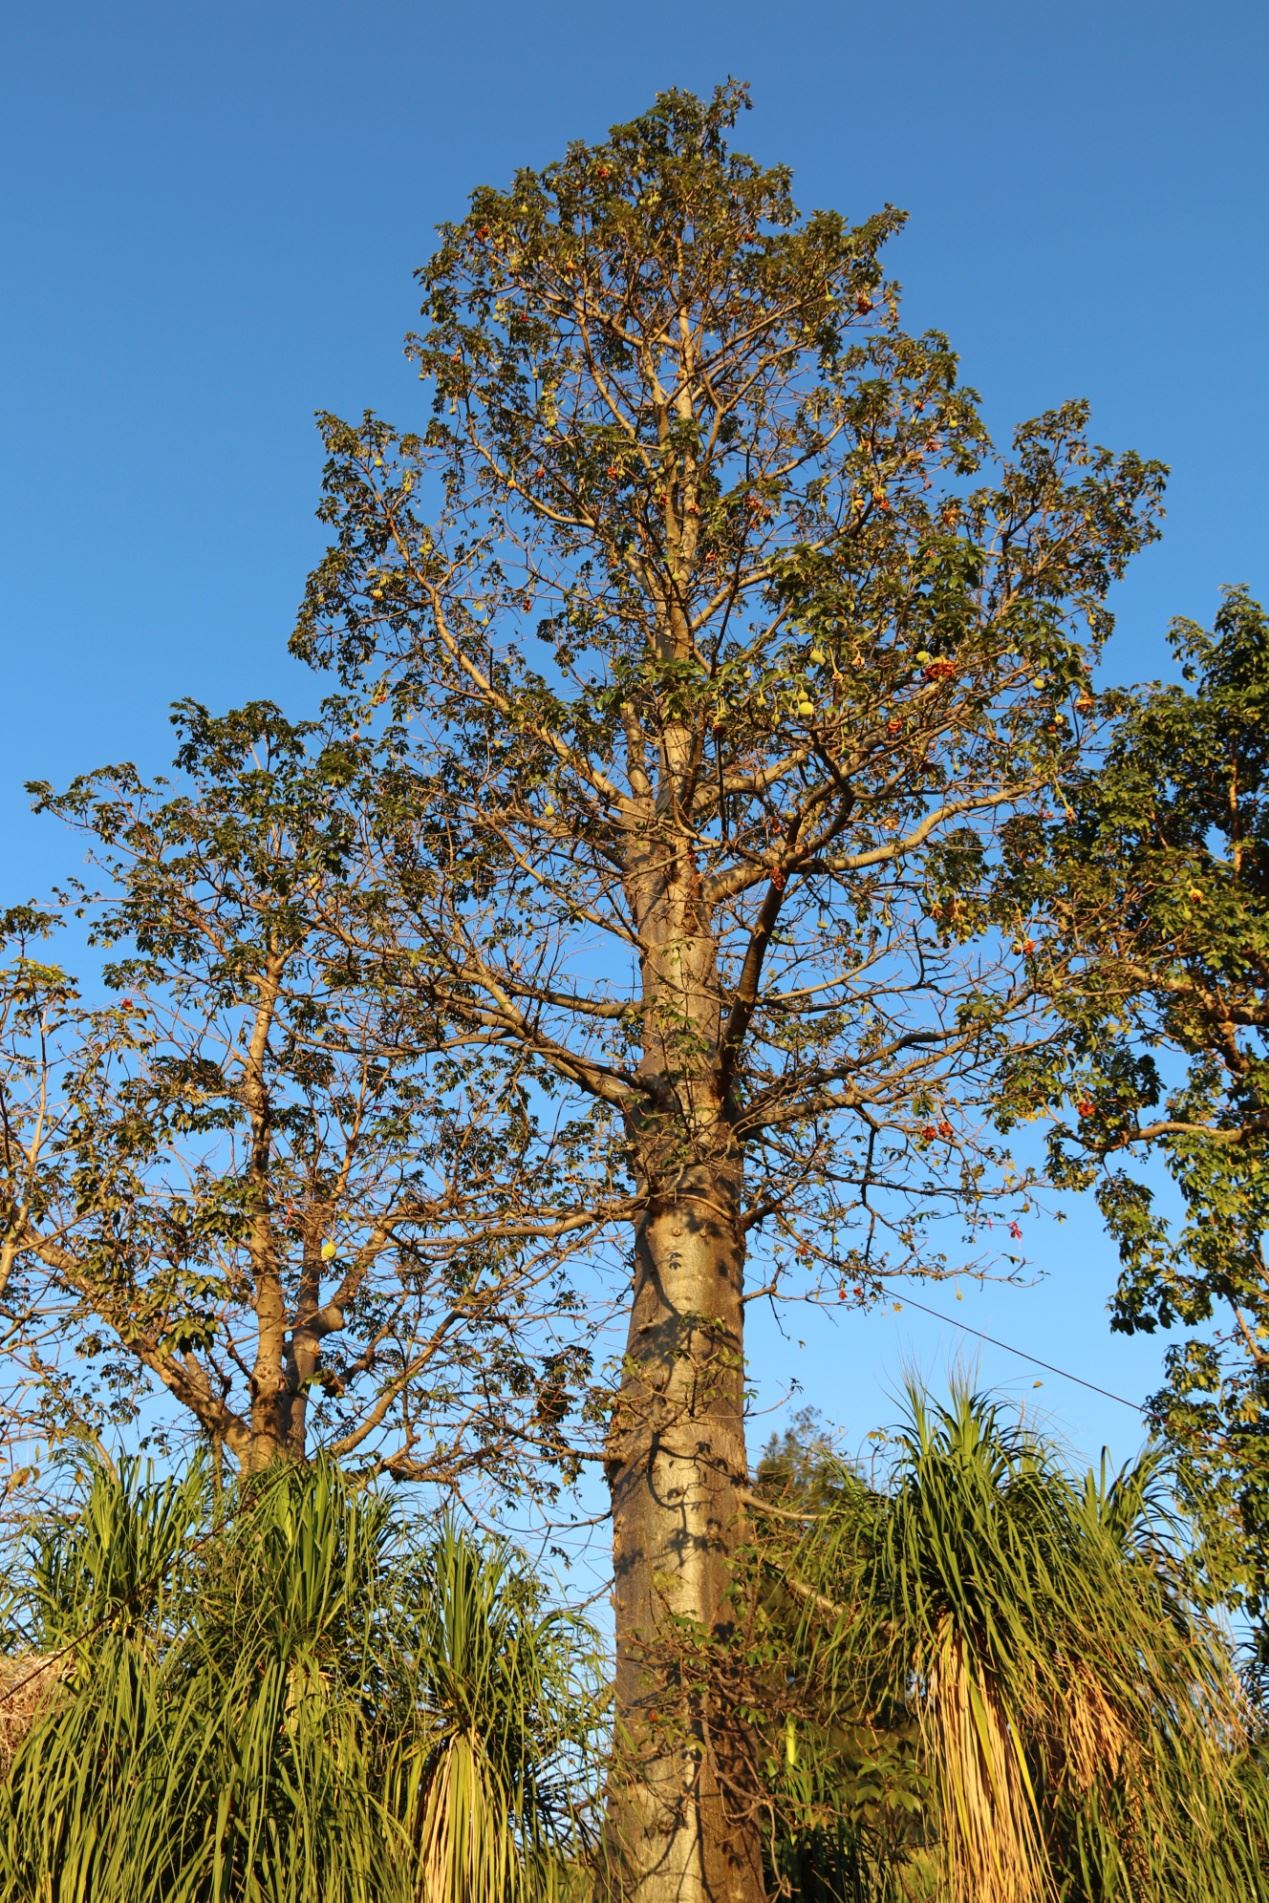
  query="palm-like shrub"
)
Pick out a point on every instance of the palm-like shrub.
point(494, 1781)
point(1062, 1721)
point(302, 1704)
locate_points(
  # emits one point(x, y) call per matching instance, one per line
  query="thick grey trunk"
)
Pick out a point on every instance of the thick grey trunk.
point(678, 1827)
point(679, 1830)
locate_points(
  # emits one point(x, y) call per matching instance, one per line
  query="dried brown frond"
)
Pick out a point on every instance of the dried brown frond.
point(995, 1852)
point(27, 1682)
point(1094, 1737)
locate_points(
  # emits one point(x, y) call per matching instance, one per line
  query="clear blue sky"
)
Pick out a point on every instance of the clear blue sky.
point(212, 217)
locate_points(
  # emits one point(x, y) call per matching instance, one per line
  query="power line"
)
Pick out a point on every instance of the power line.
point(1064, 1374)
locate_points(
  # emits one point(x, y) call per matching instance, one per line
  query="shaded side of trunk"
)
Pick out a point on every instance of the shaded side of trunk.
point(269, 1429)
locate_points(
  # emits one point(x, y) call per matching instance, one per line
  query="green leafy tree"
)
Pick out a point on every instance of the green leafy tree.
point(716, 643)
point(849, 1802)
point(1153, 889)
point(248, 1179)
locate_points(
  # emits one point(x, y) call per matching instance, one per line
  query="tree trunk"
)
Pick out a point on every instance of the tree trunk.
point(679, 1829)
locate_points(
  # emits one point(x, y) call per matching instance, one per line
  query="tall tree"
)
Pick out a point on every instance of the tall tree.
point(726, 643)
point(1154, 892)
point(234, 1179)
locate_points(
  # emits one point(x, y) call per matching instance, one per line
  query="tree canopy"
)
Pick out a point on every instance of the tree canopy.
point(1153, 890)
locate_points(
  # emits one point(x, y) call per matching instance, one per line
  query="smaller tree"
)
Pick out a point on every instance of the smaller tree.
point(1155, 888)
point(850, 1808)
point(251, 1176)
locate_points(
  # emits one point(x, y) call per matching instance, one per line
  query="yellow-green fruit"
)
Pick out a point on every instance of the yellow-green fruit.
point(818, 656)
point(328, 1250)
point(806, 708)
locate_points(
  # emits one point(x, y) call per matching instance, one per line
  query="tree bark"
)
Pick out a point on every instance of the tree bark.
point(679, 1830)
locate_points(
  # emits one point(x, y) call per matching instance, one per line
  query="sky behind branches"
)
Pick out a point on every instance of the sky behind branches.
point(213, 216)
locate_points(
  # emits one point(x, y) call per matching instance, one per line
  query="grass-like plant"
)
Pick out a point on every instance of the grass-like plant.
point(1010, 1691)
point(302, 1704)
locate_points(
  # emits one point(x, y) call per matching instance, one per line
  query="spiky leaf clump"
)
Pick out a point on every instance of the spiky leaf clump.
point(1081, 1730)
point(307, 1705)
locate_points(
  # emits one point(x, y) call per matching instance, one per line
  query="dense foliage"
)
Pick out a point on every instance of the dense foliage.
point(1151, 899)
point(989, 1680)
point(974, 1678)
